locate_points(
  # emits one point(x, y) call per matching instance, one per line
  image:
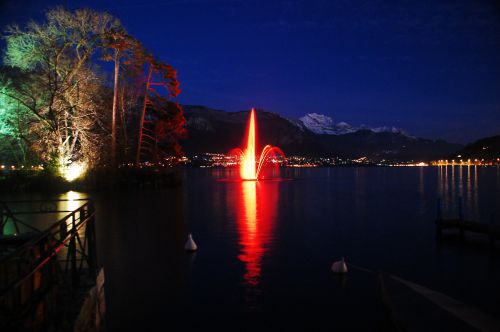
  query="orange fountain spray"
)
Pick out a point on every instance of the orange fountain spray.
point(250, 167)
point(247, 168)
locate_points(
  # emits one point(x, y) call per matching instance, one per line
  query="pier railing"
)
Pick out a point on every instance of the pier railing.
point(39, 269)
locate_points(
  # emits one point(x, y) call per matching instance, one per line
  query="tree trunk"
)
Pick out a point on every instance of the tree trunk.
point(123, 121)
point(143, 114)
point(115, 103)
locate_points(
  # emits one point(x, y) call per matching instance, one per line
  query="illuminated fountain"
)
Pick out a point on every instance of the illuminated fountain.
point(250, 168)
point(255, 204)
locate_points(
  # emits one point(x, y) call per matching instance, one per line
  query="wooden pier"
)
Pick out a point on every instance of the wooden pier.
point(462, 226)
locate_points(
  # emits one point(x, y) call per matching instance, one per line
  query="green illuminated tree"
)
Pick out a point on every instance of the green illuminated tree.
point(14, 130)
point(61, 87)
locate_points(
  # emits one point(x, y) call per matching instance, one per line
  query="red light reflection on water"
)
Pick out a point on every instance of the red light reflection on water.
point(256, 204)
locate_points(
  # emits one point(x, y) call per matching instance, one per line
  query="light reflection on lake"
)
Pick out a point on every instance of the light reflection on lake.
point(255, 205)
point(268, 246)
point(463, 183)
point(22, 203)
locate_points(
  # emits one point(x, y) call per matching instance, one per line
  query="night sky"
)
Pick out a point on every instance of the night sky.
point(429, 67)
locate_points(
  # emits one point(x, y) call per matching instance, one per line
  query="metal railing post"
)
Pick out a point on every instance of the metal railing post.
point(92, 255)
point(1, 219)
point(28, 273)
point(72, 249)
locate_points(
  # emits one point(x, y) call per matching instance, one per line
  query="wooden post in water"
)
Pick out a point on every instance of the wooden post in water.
point(460, 208)
point(461, 216)
point(439, 209)
point(492, 222)
point(439, 217)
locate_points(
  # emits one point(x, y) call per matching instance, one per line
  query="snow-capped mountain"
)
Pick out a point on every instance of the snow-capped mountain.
point(322, 124)
point(318, 123)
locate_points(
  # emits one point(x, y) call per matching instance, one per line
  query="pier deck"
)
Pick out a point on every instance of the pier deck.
point(462, 226)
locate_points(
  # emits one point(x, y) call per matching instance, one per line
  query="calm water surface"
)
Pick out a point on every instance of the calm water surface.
point(266, 247)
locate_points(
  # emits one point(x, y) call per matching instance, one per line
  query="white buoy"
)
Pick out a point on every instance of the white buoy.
point(190, 244)
point(339, 267)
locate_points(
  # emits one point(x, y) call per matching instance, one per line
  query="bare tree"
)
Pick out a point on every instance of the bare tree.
point(61, 88)
point(123, 47)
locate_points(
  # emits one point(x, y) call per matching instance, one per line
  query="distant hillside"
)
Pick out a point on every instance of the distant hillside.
point(218, 131)
point(386, 145)
point(486, 148)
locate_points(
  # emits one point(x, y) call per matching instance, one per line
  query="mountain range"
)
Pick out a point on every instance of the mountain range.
point(322, 124)
point(217, 131)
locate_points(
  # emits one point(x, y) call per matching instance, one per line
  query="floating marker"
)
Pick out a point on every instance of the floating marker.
point(339, 266)
point(190, 244)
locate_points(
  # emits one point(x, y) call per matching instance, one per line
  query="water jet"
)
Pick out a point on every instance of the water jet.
point(250, 167)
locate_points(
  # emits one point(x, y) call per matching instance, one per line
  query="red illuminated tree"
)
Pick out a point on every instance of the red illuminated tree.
point(161, 119)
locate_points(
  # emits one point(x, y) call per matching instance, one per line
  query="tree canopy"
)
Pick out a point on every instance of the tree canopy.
point(58, 104)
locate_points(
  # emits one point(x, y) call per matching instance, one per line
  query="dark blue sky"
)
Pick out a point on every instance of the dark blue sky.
point(429, 67)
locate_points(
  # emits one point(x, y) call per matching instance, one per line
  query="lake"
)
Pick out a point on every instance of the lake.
point(266, 248)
